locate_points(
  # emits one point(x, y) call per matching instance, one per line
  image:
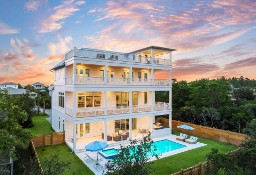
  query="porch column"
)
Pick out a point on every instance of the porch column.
point(170, 122)
point(105, 130)
point(152, 77)
point(130, 128)
point(153, 99)
point(130, 101)
point(105, 102)
point(74, 72)
point(105, 74)
point(152, 56)
point(74, 137)
point(75, 103)
point(130, 75)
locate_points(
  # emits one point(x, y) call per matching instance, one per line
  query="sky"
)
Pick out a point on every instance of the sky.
point(213, 38)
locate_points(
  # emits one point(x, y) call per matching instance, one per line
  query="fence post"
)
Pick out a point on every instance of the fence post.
point(200, 168)
point(181, 171)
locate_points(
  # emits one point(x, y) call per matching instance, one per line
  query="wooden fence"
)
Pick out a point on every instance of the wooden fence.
point(35, 157)
point(53, 139)
point(233, 138)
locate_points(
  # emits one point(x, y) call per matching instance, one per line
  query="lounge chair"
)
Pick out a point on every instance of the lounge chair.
point(182, 137)
point(191, 140)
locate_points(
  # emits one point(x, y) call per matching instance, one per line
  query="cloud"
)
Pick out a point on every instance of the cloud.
point(5, 29)
point(62, 46)
point(61, 12)
point(242, 63)
point(23, 48)
point(32, 5)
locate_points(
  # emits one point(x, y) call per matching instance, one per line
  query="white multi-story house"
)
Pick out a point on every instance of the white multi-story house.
point(110, 96)
point(38, 86)
point(9, 85)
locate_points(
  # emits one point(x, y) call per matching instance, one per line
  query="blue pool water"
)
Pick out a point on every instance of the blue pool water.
point(161, 146)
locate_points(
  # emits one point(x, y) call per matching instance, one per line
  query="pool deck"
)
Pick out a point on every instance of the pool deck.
point(99, 168)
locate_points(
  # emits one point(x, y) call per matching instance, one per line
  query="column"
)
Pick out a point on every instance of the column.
point(75, 103)
point(74, 73)
point(74, 137)
point(105, 74)
point(152, 125)
point(130, 101)
point(170, 122)
point(152, 77)
point(152, 55)
point(105, 102)
point(105, 130)
point(130, 128)
point(153, 100)
point(130, 75)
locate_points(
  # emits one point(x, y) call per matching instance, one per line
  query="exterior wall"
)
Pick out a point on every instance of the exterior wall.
point(59, 76)
point(58, 118)
point(136, 70)
point(144, 123)
point(111, 127)
point(96, 128)
point(94, 70)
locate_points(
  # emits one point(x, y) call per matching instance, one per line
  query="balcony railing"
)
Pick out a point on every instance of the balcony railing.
point(116, 56)
point(98, 111)
point(117, 81)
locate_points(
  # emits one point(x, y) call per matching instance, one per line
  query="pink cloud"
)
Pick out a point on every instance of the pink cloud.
point(5, 29)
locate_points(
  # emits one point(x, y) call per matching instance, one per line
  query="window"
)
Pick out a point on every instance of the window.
point(87, 72)
point(81, 101)
point(145, 97)
point(63, 126)
point(87, 127)
point(122, 124)
point(122, 99)
point(96, 101)
point(81, 130)
point(139, 76)
point(145, 76)
point(81, 71)
point(89, 101)
point(135, 98)
point(59, 122)
point(61, 99)
point(112, 74)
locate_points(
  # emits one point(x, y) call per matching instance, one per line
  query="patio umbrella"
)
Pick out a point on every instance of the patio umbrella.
point(186, 127)
point(96, 146)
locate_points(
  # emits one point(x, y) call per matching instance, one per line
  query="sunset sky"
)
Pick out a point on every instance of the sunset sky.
point(213, 38)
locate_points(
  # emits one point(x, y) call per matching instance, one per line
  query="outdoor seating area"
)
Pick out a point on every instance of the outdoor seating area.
point(143, 131)
point(191, 140)
point(182, 137)
point(118, 136)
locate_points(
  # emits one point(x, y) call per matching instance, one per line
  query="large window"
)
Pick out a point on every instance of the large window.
point(145, 97)
point(61, 99)
point(87, 72)
point(87, 127)
point(81, 101)
point(135, 98)
point(89, 101)
point(122, 124)
point(122, 99)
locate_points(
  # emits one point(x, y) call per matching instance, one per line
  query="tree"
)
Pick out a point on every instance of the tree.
point(187, 114)
point(12, 135)
point(250, 130)
point(244, 93)
point(209, 116)
point(133, 159)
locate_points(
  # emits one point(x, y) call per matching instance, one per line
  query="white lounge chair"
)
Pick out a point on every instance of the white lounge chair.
point(191, 140)
point(182, 137)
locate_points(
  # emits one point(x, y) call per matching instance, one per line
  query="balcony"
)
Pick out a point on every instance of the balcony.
point(98, 111)
point(85, 80)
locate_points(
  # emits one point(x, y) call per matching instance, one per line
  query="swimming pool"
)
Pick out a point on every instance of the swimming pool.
point(162, 146)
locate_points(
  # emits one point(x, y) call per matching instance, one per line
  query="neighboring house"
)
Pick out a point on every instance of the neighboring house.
point(32, 95)
point(9, 85)
point(110, 96)
point(38, 86)
point(50, 89)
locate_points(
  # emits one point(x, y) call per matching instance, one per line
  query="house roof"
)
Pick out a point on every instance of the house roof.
point(153, 47)
point(14, 91)
point(38, 83)
point(9, 83)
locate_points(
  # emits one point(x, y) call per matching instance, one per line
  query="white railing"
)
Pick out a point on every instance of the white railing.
point(69, 80)
point(141, 81)
point(89, 80)
point(119, 81)
point(141, 108)
point(118, 110)
point(69, 111)
point(161, 106)
point(161, 82)
point(89, 112)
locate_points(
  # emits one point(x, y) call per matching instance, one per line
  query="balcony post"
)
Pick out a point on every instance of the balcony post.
point(153, 100)
point(105, 74)
point(74, 73)
point(130, 128)
point(106, 102)
point(75, 104)
point(130, 75)
point(152, 56)
point(152, 77)
point(105, 131)
point(74, 137)
point(130, 102)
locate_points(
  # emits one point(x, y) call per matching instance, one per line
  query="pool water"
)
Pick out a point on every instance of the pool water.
point(161, 146)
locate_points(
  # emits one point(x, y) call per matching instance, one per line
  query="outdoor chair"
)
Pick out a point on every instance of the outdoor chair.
point(182, 137)
point(192, 140)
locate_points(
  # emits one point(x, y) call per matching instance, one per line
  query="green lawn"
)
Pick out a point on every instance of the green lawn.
point(190, 158)
point(41, 126)
point(77, 167)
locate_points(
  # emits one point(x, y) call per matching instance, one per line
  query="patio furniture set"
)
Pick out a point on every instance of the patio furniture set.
point(183, 137)
point(118, 136)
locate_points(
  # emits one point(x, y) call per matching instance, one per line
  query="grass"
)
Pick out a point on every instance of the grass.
point(77, 167)
point(41, 125)
point(190, 158)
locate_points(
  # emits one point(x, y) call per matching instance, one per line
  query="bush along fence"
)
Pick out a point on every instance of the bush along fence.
point(233, 138)
point(35, 157)
point(199, 169)
point(53, 139)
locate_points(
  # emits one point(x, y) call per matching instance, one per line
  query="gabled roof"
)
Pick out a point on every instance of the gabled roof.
point(9, 83)
point(14, 91)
